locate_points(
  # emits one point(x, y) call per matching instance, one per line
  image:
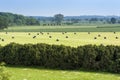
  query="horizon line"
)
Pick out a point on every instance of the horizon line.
point(63, 14)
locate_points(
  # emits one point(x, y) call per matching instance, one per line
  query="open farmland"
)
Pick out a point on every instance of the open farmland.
point(68, 36)
point(65, 35)
point(59, 40)
point(82, 28)
point(73, 39)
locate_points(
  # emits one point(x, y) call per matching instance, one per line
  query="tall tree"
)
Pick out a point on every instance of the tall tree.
point(58, 18)
point(3, 22)
point(113, 20)
point(32, 21)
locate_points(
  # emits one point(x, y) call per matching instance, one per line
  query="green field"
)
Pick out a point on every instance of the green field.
point(77, 35)
point(25, 73)
point(74, 40)
point(92, 28)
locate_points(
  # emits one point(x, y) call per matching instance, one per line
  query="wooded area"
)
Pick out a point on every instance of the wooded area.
point(9, 19)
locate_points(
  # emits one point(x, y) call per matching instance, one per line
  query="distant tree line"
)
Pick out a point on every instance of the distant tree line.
point(57, 20)
point(9, 19)
point(88, 57)
point(71, 20)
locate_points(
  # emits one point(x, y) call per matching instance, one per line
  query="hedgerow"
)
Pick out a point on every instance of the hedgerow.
point(90, 57)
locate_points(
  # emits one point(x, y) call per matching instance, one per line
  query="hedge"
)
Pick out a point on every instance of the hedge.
point(89, 57)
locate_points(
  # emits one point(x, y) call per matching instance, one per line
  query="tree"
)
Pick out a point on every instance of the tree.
point(113, 20)
point(58, 18)
point(9, 19)
point(74, 20)
point(32, 21)
point(3, 22)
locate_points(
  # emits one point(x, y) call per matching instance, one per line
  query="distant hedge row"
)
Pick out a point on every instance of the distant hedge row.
point(90, 57)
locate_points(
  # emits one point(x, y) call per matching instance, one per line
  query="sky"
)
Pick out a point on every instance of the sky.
point(66, 7)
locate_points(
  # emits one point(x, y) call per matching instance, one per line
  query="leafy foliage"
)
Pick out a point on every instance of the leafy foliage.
point(9, 19)
point(59, 18)
point(3, 73)
point(3, 22)
point(113, 20)
point(91, 57)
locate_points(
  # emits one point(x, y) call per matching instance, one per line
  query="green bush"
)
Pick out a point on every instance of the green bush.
point(3, 73)
point(90, 57)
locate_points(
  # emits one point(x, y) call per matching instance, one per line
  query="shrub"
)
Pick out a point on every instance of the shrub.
point(4, 75)
point(91, 57)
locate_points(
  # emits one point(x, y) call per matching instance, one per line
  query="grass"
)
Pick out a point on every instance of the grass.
point(25, 73)
point(81, 37)
point(74, 40)
point(101, 28)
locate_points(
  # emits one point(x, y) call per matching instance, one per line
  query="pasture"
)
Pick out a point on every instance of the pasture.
point(82, 28)
point(67, 35)
point(36, 73)
point(73, 39)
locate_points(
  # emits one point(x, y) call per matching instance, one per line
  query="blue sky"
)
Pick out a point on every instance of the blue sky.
point(66, 7)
